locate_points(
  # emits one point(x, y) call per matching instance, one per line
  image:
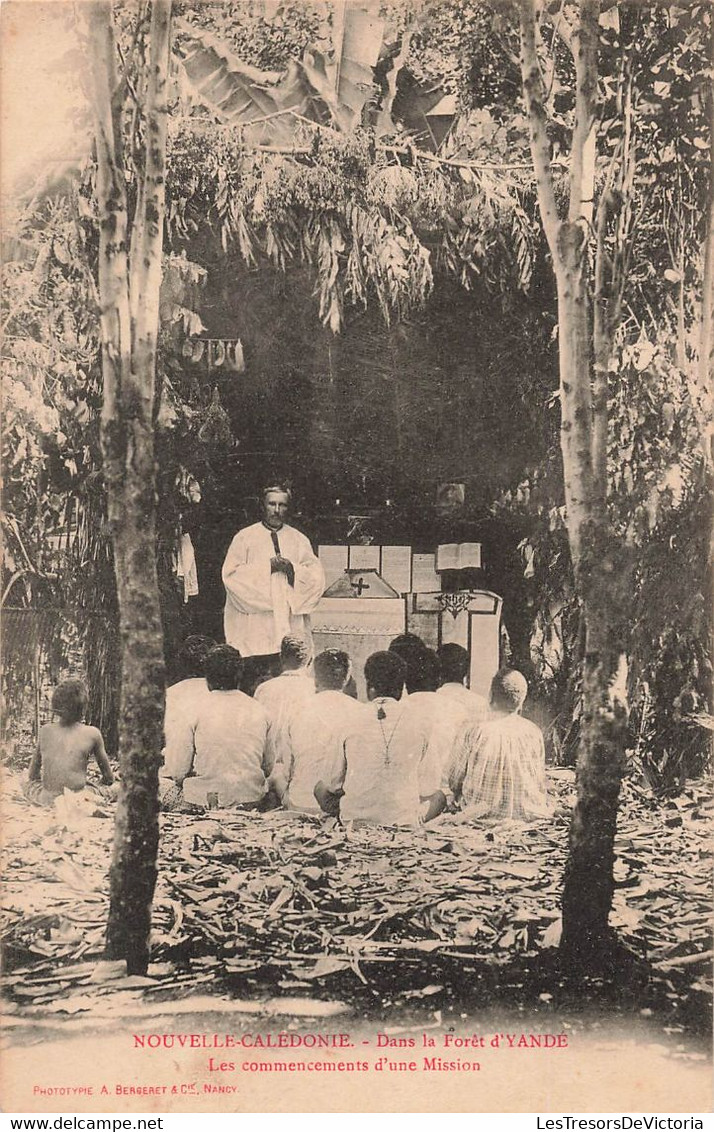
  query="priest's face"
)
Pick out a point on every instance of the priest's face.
point(275, 509)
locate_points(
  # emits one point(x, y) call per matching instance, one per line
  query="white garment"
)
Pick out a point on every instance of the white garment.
point(231, 759)
point(314, 730)
point(499, 770)
point(277, 697)
point(382, 766)
point(443, 719)
point(183, 703)
point(185, 567)
point(477, 706)
point(261, 608)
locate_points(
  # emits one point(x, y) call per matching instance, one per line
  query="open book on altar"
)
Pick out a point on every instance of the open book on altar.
point(458, 556)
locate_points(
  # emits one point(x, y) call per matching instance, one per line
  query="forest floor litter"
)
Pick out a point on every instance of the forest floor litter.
point(293, 915)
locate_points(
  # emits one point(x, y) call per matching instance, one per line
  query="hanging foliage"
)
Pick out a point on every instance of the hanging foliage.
point(371, 228)
point(330, 88)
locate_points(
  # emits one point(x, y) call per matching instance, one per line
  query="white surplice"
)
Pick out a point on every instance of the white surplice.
point(261, 607)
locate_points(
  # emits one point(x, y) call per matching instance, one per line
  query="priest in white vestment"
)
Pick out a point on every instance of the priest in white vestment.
point(273, 581)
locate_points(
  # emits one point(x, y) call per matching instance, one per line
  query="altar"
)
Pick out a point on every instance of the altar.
point(374, 593)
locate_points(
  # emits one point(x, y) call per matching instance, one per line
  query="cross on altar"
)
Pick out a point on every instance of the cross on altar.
point(359, 586)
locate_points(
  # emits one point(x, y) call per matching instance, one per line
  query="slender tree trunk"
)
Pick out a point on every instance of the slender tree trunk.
point(589, 884)
point(598, 565)
point(602, 347)
point(574, 352)
point(136, 838)
point(129, 297)
point(706, 341)
point(588, 887)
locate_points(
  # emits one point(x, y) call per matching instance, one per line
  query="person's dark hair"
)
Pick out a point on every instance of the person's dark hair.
point(193, 653)
point(407, 644)
point(350, 688)
point(224, 667)
point(253, 674)
point(423, 672)
point(385, 672)
point(509, 689)
point(294, 652)
point(332, 668)
point(410, 649)
point(453, 663)
point(70, 700)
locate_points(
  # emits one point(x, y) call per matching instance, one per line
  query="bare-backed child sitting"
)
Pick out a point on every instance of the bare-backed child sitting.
point(65, 748)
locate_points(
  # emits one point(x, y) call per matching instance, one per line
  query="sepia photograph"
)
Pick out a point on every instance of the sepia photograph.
point(357, 699)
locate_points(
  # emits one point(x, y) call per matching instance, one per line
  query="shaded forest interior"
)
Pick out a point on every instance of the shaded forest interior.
point(365, 423)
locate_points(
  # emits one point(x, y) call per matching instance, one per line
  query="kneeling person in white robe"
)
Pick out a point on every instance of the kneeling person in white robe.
point(442, 718)
point(453, 674)
point(292, 688)
point(380, 772)
point(498, 770)
point(294, 683)
point(313, 729)
point(230, 760)
point(183, 701)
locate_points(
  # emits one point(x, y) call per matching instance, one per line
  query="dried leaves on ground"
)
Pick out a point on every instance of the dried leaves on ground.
point(293, 905)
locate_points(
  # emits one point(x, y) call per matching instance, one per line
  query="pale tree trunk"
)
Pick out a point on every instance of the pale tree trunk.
point(129, 299)
point(706, 341)
point(600, 579)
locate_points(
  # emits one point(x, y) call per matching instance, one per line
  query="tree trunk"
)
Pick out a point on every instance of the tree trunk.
point(129, 298)
point(600, 579)
point(574, 353)
point(136, 837)
point(589, 883)
point(706, 340)
point(598, 565)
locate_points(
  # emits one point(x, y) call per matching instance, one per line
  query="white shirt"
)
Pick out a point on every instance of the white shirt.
point(443, 718)
point(183, 703)
point(315, 729)
point(477, 706)
point(231, 757)
point(262, 607)
point(382, 766)
point(277, 697)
